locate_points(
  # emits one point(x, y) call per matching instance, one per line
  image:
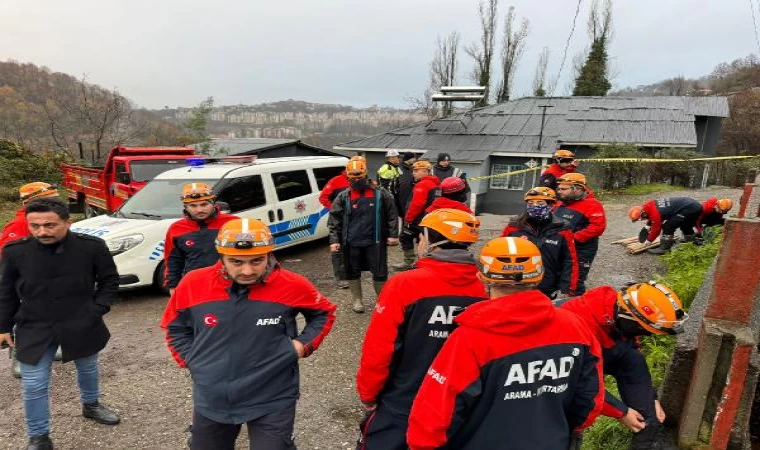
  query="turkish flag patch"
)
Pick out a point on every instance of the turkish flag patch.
point(189, 243)
point(648, 310)
point(210, 320)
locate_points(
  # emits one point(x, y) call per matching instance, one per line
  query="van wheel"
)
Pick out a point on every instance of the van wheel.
point(159, 279)
point(91, 211)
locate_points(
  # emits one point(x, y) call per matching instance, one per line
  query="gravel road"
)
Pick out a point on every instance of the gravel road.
point(140, 380)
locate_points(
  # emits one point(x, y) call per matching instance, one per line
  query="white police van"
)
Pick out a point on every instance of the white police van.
point(281, 192)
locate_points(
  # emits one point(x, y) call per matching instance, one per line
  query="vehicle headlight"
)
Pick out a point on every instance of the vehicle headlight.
point(124, 243)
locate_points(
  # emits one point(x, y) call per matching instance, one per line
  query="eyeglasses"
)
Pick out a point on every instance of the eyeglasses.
point(566, 160)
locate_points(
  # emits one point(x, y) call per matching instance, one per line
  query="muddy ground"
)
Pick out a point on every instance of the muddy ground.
point(142, 382)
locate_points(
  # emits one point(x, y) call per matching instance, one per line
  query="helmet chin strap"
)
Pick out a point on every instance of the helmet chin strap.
point(428, 245)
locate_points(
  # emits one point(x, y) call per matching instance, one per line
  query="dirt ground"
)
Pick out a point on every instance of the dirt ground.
point(141, 381)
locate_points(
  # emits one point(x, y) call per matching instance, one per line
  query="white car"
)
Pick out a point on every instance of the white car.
point(282, 192)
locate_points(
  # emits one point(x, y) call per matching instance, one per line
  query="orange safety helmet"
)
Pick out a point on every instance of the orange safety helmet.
point(510, 261)
point(356, 168)
point(357, 158)
point(196, 192)
point(725, 205)
point(573, 178)
point(36, 189)
point(541, 193)
point(561, 154)
point(634, 213)
point(453, 224)
point(654, 306)
point(244, 237)
point(422, 164)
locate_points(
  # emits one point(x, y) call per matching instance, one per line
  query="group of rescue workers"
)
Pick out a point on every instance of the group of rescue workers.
point(506, 349)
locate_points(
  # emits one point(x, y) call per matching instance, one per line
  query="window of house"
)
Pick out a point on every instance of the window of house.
point(291, 184)
point(243, 193)
point(324, 174)
point(512, 182)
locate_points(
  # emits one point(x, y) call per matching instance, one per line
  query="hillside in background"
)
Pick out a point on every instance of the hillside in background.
point(319, 124)
point(45, 110)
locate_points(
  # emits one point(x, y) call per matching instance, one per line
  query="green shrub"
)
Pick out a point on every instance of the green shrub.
point(18, 166)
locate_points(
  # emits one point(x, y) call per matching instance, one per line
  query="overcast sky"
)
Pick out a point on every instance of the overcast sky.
point(355, 52)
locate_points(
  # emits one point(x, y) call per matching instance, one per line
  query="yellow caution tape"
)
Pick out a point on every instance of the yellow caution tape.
point(614, 160)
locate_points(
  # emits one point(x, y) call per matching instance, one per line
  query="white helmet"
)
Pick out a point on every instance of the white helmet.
point(391, 153)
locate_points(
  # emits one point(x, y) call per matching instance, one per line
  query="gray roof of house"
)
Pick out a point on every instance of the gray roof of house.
point(241, 145)
point(514, 126)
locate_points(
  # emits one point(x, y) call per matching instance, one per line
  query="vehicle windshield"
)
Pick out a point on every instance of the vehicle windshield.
point(148, 169)
point(158, 200)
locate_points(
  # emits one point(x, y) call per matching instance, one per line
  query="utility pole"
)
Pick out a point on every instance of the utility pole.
point(543, 121)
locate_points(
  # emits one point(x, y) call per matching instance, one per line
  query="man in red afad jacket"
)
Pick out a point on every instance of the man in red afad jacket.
point(189, 242)
point(335, 186)
point(412, 319)
point(517, 373)
point(617, 319)
point(666, 215)
point(17, 228)
point(564, 162)
point(586, 215)
point(453, 195)
point(425, 190)
point(233, 325)
point(713, 211)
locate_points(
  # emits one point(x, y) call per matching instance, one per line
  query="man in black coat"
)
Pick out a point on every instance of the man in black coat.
point(404, 183)
point(55, 288)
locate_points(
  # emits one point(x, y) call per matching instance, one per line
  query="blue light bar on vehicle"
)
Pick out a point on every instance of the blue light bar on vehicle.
point(195, 162)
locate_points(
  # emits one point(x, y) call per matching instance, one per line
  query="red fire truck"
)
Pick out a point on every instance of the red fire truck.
point(100, 190)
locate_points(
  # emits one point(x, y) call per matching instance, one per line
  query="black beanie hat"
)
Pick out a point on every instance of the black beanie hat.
point(444, 157)
point(406, 156)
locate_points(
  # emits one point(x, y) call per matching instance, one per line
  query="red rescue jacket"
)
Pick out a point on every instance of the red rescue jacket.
point(412, 320)
point(17, 228)
point(237, 343)
point(189, 245)
point(333, 187)
point(517, 371)
point(420, 198)
point(663, 209)
point(443, 202)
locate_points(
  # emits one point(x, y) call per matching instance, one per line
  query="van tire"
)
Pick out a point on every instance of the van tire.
point(159, 279)
point(91, 211)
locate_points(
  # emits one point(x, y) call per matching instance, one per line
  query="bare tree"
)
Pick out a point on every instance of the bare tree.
point(676, 86)
point(539, 81)
point(482, 52)
point(512, 49)
point(600, 20)
point(443, 71)
point(92, 115)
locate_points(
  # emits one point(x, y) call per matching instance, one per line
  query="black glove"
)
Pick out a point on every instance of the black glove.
point(643, 235)
point(409, 229)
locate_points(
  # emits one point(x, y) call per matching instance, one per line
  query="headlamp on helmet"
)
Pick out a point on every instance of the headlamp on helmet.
point(244, 237)
point(510, 261)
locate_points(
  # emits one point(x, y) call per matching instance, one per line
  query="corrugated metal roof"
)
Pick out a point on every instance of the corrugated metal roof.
point(515, 126)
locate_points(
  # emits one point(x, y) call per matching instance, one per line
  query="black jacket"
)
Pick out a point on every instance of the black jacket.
point(404, 188)
point(57, 294)
point(386, 217)
point(555, 241)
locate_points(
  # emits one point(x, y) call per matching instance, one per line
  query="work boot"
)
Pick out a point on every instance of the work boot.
point(15, 365)
point(653, 437)
point(408, 262)
point(356, 293)
point(341, 284)
point(99, 413)
point(378, 285)
point(688, 237)
point(41, 442)
point(666, 243)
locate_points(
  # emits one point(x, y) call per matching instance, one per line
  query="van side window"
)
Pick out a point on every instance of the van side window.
point(291, 184)
point(325, 174)
point(243, 193)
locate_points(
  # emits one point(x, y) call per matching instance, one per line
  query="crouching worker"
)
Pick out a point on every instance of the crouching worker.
point(233, 325)
point(617, 319)
point(413, 318)
point(517, 373)
point(666, 215)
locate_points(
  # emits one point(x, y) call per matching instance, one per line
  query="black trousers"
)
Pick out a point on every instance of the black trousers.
point(373, 259)
point(629, 368)
point(686, 222)
point(339, 270)
point(383, 430)
point(271, 432)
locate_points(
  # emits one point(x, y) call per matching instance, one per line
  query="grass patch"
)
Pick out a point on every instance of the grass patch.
point(640, 189)
point(686, 267)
